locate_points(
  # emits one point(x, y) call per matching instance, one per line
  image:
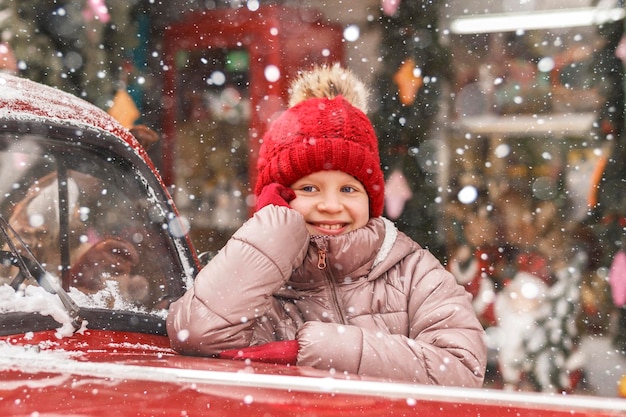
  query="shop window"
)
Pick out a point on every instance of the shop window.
point(533, 127)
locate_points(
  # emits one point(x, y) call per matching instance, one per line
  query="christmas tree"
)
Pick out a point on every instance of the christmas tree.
point(411, 85)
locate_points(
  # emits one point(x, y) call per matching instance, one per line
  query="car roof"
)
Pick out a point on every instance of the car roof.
point(22, 99)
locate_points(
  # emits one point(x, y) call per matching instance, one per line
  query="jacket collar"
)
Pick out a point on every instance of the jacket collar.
point(391, 234)
point(351, 256)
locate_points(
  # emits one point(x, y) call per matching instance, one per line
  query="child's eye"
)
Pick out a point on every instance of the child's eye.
point(308, 188)
point(348, 189)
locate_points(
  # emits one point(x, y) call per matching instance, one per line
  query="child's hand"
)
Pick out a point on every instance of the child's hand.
point(284, 352)
point(275, 194)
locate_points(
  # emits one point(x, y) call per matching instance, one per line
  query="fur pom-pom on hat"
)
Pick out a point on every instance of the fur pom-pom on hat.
point(330, 82)
point(324, 129)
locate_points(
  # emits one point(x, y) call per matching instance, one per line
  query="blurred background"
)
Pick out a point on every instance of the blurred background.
point(500, 125)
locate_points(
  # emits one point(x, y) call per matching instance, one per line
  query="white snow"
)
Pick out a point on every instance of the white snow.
point(21, 98)
point(109, 297)
point(35, 299)
point(32, 299)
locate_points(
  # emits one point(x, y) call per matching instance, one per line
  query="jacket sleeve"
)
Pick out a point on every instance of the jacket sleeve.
point(444, 344)
point(235, 288)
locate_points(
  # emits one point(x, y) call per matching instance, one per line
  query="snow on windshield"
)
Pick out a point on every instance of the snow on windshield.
point(35, 299)
point(32, 299)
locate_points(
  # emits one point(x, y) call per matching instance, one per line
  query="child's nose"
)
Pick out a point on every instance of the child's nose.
point(330, 202)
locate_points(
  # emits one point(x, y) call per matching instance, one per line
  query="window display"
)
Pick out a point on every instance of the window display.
point(536, 121)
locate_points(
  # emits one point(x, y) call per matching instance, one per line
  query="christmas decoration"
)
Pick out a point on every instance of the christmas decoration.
point(96, 10)
point(77, 46)
point(408, 82)
point(617, 279)
point(390, 6)
point(124, 109)
point(7, 59)
point(551, 345)
point(397, 192)
point(475, 271)
point(537, 337)
point(410, 40)
point(621, 388)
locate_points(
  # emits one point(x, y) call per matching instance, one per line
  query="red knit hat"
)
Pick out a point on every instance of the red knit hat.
point(319, 134)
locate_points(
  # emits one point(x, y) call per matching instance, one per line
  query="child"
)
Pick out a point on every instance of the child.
point(317, 277)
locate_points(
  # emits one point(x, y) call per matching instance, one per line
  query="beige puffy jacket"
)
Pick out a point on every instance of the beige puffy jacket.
point(381, 307)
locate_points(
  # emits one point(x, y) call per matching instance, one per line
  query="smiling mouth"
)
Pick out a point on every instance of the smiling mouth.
point(330, 226)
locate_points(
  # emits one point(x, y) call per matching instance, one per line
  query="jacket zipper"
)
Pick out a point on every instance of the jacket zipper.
point(321, 258)
point(322, 265)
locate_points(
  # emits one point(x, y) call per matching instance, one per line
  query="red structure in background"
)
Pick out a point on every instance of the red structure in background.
point(274, 37)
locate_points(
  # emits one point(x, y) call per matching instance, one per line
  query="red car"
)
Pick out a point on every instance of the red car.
point(93, 251)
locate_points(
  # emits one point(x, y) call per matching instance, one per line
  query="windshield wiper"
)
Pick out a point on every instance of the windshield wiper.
point(30, 268)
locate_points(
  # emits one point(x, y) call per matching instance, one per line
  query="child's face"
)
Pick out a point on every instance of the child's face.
point(332, 202)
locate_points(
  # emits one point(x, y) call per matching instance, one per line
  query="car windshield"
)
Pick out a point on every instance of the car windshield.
point(87, 218)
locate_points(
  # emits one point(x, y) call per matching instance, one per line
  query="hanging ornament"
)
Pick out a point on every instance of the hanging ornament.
point(617, 279)
point(397, 193)
point(124, 109)
point(390, 6)
point(8, 63)
point(621, 387)
point(596, 180)
point(408, 82)
point(96, 10)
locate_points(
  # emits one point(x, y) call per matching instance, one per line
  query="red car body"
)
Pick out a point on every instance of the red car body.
point(74, 178)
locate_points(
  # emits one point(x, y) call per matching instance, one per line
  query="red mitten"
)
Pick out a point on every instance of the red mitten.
point(276, 194)
point(283, 353)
